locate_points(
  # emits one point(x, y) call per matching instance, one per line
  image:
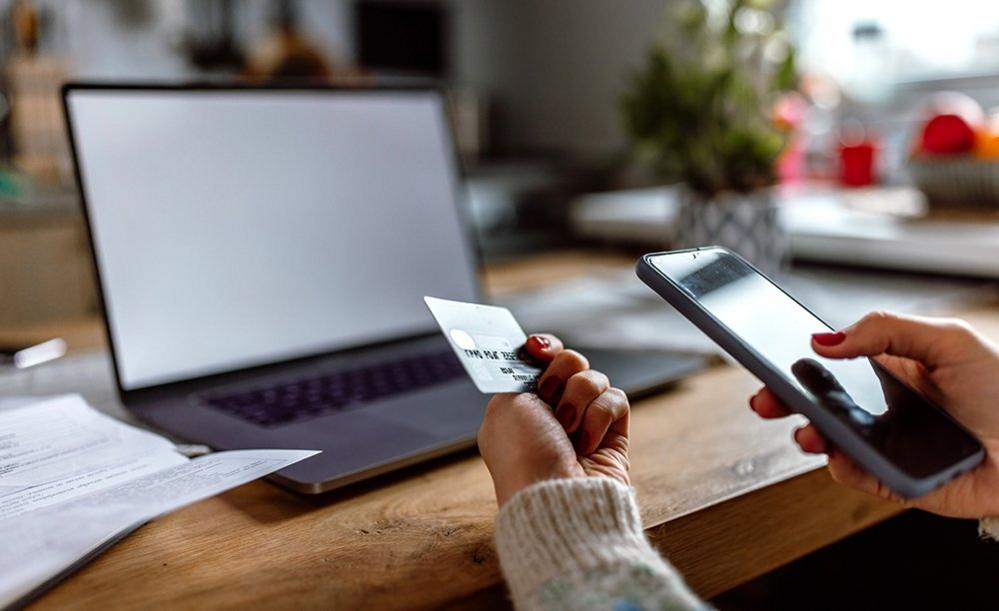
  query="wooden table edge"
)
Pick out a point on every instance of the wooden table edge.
point(755, 532)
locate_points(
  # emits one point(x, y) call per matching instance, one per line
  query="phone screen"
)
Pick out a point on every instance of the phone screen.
point(897, 421)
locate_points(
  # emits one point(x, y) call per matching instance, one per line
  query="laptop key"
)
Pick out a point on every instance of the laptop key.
point(303, 399)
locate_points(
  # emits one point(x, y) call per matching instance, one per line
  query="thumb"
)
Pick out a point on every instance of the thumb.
point(878, 333)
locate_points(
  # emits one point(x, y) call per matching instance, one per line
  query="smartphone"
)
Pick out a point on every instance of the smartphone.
point(912, 445)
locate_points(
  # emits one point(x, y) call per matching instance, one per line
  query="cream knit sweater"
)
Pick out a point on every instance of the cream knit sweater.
point(579, 544)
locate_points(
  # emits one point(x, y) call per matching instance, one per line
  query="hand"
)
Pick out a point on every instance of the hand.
point(524, 440)
point(948, 362)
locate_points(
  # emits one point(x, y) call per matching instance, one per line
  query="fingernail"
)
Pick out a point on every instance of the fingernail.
point(829, 339)
point(538, 342)
point(797, 436)
point(564, 415)
point(550, 389)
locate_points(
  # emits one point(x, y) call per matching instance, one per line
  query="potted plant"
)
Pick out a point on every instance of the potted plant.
point(698, 112)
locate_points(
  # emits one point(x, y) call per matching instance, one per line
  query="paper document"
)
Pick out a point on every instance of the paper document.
point(73, 481)
point(53, 450)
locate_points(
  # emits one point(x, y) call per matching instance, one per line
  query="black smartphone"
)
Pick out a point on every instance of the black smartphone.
point(891, 430)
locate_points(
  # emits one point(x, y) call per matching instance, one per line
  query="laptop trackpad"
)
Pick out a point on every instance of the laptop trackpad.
point(448, 412)
point(352, 442)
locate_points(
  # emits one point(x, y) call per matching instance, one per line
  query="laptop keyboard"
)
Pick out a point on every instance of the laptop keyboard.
point(336, 391)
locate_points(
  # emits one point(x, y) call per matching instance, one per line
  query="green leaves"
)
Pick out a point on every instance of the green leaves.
point(698, 110)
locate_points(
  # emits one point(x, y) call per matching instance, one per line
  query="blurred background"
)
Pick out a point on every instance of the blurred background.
point(576, 119)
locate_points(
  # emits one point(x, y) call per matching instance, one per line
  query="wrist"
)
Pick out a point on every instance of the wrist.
point(534, 474)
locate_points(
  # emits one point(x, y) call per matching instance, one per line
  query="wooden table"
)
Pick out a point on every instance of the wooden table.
point(725, 495)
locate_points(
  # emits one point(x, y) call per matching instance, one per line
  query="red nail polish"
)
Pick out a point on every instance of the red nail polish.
point(829, 339)
point(539, 343)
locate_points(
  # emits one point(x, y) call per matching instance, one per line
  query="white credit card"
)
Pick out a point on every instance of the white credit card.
point(487, 340)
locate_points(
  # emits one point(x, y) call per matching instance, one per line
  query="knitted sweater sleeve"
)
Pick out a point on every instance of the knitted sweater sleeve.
point(579, 544)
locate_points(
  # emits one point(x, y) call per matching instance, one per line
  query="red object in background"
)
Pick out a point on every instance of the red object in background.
point(952, 120)
point(857, 163)
point(947, 134)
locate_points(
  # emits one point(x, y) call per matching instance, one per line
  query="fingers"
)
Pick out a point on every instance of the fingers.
point(885, 333)
point(810, 440)
point(609, 411)
point(543, 347)
point(580, 390)
point(767, 405)
point(582, 398)
point(842, 469)
point(566, 364)
point(848, 473)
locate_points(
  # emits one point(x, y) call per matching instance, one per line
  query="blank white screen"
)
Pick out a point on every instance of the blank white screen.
point(237, 228)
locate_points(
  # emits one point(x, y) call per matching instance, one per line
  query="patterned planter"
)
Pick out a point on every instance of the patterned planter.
point(747, 223)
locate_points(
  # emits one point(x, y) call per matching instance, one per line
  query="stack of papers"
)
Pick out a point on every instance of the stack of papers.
point(74, 481)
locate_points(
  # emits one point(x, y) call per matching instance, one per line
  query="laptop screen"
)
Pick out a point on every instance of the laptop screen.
point(235, 228)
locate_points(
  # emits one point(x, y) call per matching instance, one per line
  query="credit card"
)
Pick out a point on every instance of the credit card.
point(487, 340)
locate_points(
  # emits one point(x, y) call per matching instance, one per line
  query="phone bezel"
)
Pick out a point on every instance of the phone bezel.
point(847, 439)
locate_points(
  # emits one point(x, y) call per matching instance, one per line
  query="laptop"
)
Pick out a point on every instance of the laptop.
point(262, 255)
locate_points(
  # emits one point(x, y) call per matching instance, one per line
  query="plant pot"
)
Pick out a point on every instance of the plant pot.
point(747, 223)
